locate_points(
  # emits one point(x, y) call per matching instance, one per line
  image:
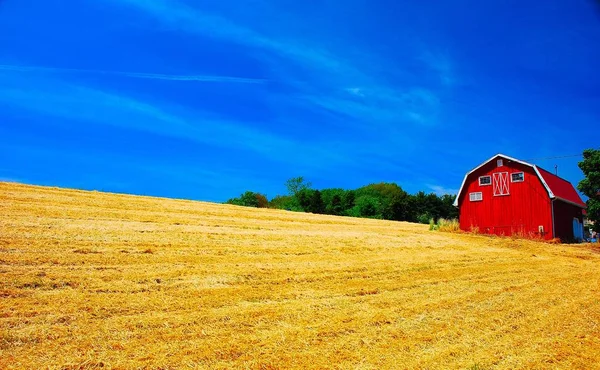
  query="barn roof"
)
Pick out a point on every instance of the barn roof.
point(561, 188)
point(557, 187)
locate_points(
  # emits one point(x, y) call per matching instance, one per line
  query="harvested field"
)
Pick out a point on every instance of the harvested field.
point(90, 280)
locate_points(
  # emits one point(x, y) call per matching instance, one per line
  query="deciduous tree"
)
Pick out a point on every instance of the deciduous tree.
point(316, 203)
point(297, 184)
point(590, 185)
point(250, 199)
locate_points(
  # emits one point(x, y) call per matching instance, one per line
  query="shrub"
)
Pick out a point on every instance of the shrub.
point(261, 200)
point(250, 199)
point(423, 218)
point(432, 225)
point(450, 226)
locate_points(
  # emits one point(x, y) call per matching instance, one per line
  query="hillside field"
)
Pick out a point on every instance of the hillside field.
point(97, 280)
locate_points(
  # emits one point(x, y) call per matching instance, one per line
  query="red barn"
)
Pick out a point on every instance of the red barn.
point(506, 196)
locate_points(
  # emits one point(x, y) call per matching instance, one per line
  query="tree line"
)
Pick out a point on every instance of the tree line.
point(390, 202)
point(386, 201)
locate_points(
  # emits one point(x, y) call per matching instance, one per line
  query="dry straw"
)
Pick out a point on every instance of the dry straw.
point(94, 280)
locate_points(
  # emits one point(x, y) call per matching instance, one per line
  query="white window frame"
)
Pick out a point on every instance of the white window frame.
point(489, 183)
point(516, 173)
point(476, 196)
point(499, 163)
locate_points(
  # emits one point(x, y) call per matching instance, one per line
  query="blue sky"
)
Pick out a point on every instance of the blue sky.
point(206, 99)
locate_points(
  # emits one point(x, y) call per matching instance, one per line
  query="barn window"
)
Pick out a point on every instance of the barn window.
point(476, 197)
point(499, 163)
point(485, 180)
point(517, 177)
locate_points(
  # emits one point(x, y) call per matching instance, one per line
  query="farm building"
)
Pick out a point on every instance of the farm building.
point(506, 196)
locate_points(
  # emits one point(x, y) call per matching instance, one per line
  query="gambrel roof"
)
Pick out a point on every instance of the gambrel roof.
point(557, 188)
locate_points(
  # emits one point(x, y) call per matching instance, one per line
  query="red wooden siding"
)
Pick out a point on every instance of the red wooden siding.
point(526, 207)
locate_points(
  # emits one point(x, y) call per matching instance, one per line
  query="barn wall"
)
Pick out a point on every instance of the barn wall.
point(563, 219)
point(527, 206)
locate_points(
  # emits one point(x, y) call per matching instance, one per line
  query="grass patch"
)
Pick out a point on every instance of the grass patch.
point(450, 226)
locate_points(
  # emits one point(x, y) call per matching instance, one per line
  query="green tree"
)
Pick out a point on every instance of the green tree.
point(297, 184)
point(330, 196)
point(448, 210)
point(367, 206)
point(433, 206)
point(348, 201)
point(281, 202)
point(316, 203)
point(335, 207)
point(385, 194)
point(590, 185)
point(420, 203)
point(250, 199)
point(400, 208)
point(304, 198)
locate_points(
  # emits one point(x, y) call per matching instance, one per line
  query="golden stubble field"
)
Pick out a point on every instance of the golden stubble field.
point(96, 280)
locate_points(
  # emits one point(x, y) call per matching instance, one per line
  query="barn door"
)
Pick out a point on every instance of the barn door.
point(500, 183)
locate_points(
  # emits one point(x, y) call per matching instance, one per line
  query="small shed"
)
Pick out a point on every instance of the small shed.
point(506, 196)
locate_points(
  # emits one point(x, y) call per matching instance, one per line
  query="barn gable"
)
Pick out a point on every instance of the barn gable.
point(557, 188)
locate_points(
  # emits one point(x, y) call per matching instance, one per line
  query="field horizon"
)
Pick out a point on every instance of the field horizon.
point(90, 279)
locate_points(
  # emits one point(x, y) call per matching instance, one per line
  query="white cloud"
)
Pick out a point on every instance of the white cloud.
point(378, 107)
point(330, 73)
point(59, 99)
point(356, 91)
point(185, 18)
point(440, 63)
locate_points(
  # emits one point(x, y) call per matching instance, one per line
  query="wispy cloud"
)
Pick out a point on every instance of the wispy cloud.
point(382, 108)
point(63, 100)
point(188, 19)
point(356, 91)
point(152, 76)
point(441, 64)
point(375, 115)
point(337, 84)
point(441, 190)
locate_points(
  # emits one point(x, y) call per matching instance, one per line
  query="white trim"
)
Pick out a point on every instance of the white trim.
point(516, 173)
point(455, 204)
point(477, 195)
point(550, 193)
point(462, 186)
point(489, 183)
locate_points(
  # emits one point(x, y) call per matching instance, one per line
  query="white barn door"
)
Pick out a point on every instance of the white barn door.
point(500, 183)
